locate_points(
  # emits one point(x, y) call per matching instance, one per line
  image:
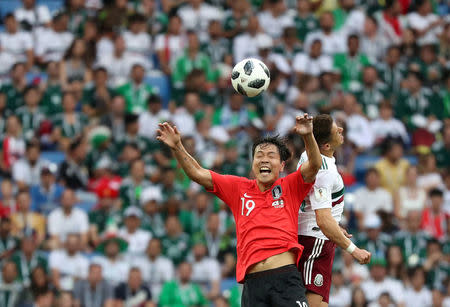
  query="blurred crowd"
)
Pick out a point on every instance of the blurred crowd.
point(95, 212)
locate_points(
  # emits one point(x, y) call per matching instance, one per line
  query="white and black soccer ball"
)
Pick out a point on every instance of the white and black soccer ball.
point(250, 77)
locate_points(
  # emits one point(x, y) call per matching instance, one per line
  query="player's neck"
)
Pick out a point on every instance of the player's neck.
point(263, 186)
point(327, 153)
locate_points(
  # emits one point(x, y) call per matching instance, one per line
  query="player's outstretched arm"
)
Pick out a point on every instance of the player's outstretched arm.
point(333, 231)
point(172, 138)
point(304, 127)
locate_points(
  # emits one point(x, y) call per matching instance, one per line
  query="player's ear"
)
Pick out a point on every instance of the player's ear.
point(283, 163)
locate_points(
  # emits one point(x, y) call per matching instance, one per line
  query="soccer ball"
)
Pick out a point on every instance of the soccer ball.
point(250, 77)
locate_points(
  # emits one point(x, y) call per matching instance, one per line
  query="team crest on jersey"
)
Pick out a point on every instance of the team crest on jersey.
point(318, 280)
point(277, 192)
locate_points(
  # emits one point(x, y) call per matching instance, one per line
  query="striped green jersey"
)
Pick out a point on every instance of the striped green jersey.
point(327, 192)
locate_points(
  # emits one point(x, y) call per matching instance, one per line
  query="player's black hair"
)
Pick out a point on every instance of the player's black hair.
point(322, 124)
point(280, 143)
point(435, 192)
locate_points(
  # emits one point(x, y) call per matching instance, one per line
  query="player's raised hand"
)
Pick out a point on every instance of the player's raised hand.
point(362, 256)
point(303, 124)
point(169, 135)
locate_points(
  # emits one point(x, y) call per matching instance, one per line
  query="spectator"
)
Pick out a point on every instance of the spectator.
point(75, 64)
point(132, 186)
point(392, 71)
point(97, 95)
point(31, 16)
point(332, 41)
point(410, 196)
point(53, 41)
point(9, 287)
point(290, 45)
point(137, 41)
point(8, 243)
point(196, 16)
point(371, 93)
point(26, 171)
point(68, 265)
point(65, 299)
point(72, 173)
point(184, 117)
point(78, 15)
point(392, 167)
point(114, 119)
point(100, 154)
point(441, 150)
point(372, 239)
point(428, 65)
point(435, 264)
point(7, 200)
point(118, 64)
point(17, 46)
point(31, 115)
point(13, 91)
point(156, 268)
point(134, 291)
point(340, 295)
point(28, 258)
point(192, 58)
point(175, 243)
point(380, 283)
point(313, 63)
point(24, 220)
point(182, 292)
point(217, 48)
point(67, 220)
point(351, 64)
point(137, 238)
point(115, 268)
point(389, 20)
point(136, 92)
point(359, 130)
point(417, 293)
point(433, 217)
point(39, 283)
point(396, 268)
point(305, 21)
point(275, 18)
point(245, 44)
point(372, 198)
point(358, 298)
point(236, 20)
point(52, 90)
point(169, 46)
point(156, 19)
point(205, 270)
point(386, 126)
point(152, 220)
point(425, 23)
point(95, 291)
point(155, 114)
point(194, 220)
point(429, 176)
point(373, 43)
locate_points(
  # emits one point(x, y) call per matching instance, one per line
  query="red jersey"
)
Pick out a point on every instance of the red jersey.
point(266, 222)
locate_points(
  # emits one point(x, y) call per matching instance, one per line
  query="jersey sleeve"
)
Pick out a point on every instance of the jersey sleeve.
point(320, 194)
point(226, 188)
point(298, 186)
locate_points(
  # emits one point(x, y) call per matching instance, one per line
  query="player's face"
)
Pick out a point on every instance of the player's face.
point(267, 163)
point(337, 138)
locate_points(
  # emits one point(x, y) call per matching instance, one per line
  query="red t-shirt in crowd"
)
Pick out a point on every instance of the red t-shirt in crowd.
point(266, 222)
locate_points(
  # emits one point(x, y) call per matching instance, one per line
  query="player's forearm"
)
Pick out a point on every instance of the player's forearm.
point(191, 167)
point(313, 152)
point(331, 230)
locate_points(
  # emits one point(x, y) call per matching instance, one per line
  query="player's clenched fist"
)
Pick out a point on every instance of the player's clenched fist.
point(169, 135)
point(361, 255)
point(303, 124)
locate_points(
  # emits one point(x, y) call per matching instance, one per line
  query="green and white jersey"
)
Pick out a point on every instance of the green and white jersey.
point(327, 192)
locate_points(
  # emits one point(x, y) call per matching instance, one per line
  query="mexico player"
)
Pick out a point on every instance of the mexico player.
point(319, 216)
point(266, 214)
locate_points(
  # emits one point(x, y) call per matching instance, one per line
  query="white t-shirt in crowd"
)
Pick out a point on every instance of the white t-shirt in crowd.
point(205, 271)
point(198, 20)
point(137, 242)
point(148, 122)
point(331, 44)
point(370, 201)
point(156, 272)
point(70, 267)
point(359, 131)
point(173, 44)
point(41, 12)
point(184, 121)
point(52, 45)
point(419, 22)
point(139, 43)
point(246, 46)
point(341, 297)
point(114, 272)
point(373, 290)
point(23, 171)
point(392, 127)
point(410, 203)
point(62, 225)
point(14, 47)
point(272, 25)
point(305, 64)
point(421, 298)
point(118, 68)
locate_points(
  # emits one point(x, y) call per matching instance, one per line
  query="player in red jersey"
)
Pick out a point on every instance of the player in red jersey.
point(266, 214)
